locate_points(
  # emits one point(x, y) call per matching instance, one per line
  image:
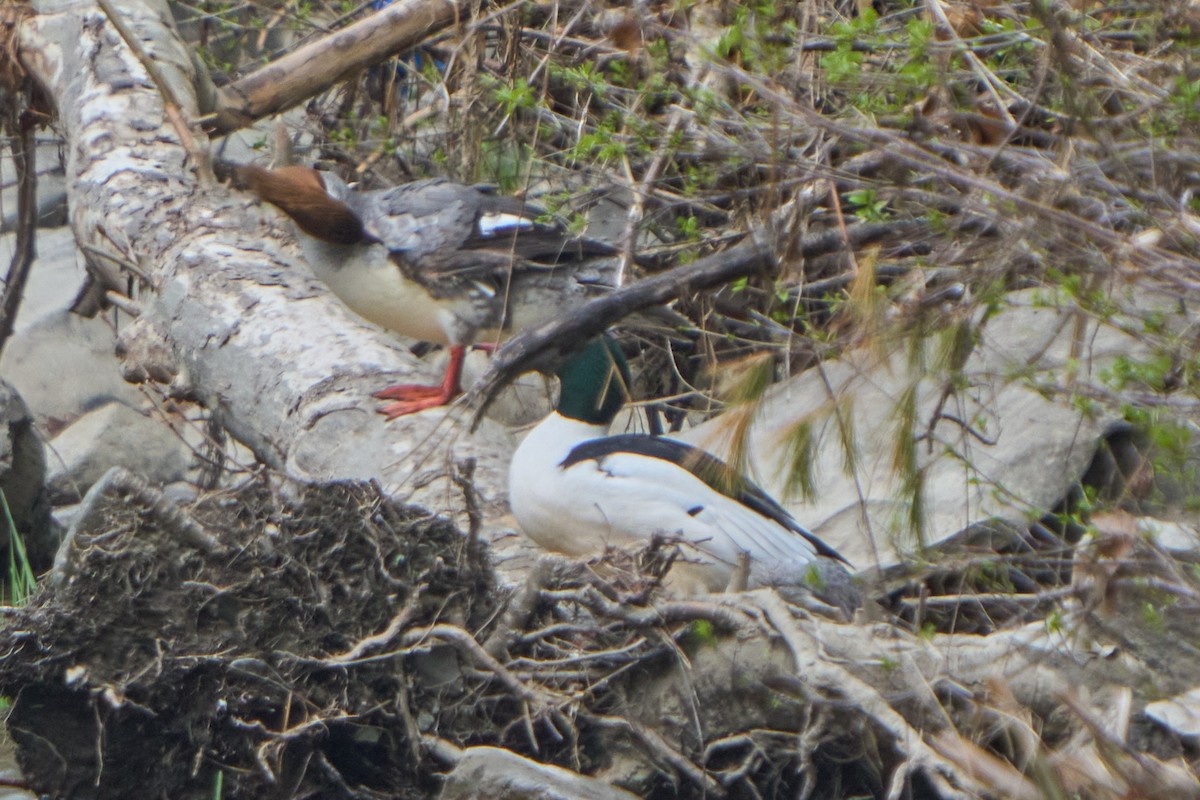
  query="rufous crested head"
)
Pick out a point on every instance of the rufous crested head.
point(300, 193)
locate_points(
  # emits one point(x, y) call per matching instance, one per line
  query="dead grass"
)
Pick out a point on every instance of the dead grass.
point(334, 644)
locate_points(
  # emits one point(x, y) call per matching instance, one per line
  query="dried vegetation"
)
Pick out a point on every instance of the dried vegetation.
point(343, 647)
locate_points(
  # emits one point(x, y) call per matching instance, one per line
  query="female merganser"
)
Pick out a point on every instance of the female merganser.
point(574, 489)
point(435, 260)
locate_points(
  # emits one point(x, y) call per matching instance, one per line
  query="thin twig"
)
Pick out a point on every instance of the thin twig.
point(171, 103)
point(24, 157)
point(466, 644)
point(659, 748)
point(384, 637)
point(825, 677)
point(550, 341)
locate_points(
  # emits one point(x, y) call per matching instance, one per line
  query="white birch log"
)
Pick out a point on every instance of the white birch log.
point(232, 316)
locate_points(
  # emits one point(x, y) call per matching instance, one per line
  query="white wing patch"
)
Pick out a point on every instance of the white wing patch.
point(495, 224)
point(645, 496)
point(484, 289)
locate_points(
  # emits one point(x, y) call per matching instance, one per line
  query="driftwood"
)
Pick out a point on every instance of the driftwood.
point(314, 68)
point(230, 316)
point(343, 625)
point(249, 670)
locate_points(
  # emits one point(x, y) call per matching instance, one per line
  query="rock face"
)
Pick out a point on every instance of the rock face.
point(63, 365)
point(51, 193)
point(113, 435)
point(996, 439)
point(22, 472)
point(55, 279)
point(500, 774)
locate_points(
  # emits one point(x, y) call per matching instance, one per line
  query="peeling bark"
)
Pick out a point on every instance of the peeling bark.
point(231, 318)
point(231, 312)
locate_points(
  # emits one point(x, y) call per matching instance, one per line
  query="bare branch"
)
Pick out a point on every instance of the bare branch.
point(24, 152)
point(549, 342)
point(315, 67)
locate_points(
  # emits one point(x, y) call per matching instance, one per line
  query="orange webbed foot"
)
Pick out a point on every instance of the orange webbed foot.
point(413, 397)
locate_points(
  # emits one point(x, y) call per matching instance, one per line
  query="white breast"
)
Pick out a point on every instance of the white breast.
point(535, 486)
point(375, 289)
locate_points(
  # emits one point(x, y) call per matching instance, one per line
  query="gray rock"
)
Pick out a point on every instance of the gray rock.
point(1174, 535)
point(22, 462)
point(523, 402)
point(825, 579)
point(113, 435)
point(22, 476)
point(64, 365)
point(51, 189)
point(1180, 713)
point(1008, 446)
point(55, 279)
point(497, 774)
point(65, 515)
point(246, 146)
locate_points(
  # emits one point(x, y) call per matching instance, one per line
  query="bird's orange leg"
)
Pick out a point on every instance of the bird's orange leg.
point(413, 397)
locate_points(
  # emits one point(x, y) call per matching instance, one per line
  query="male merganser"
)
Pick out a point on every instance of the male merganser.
point(435, 260)
point(574, 489)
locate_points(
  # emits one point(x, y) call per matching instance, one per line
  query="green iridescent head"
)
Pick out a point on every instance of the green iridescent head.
point(595, 383)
